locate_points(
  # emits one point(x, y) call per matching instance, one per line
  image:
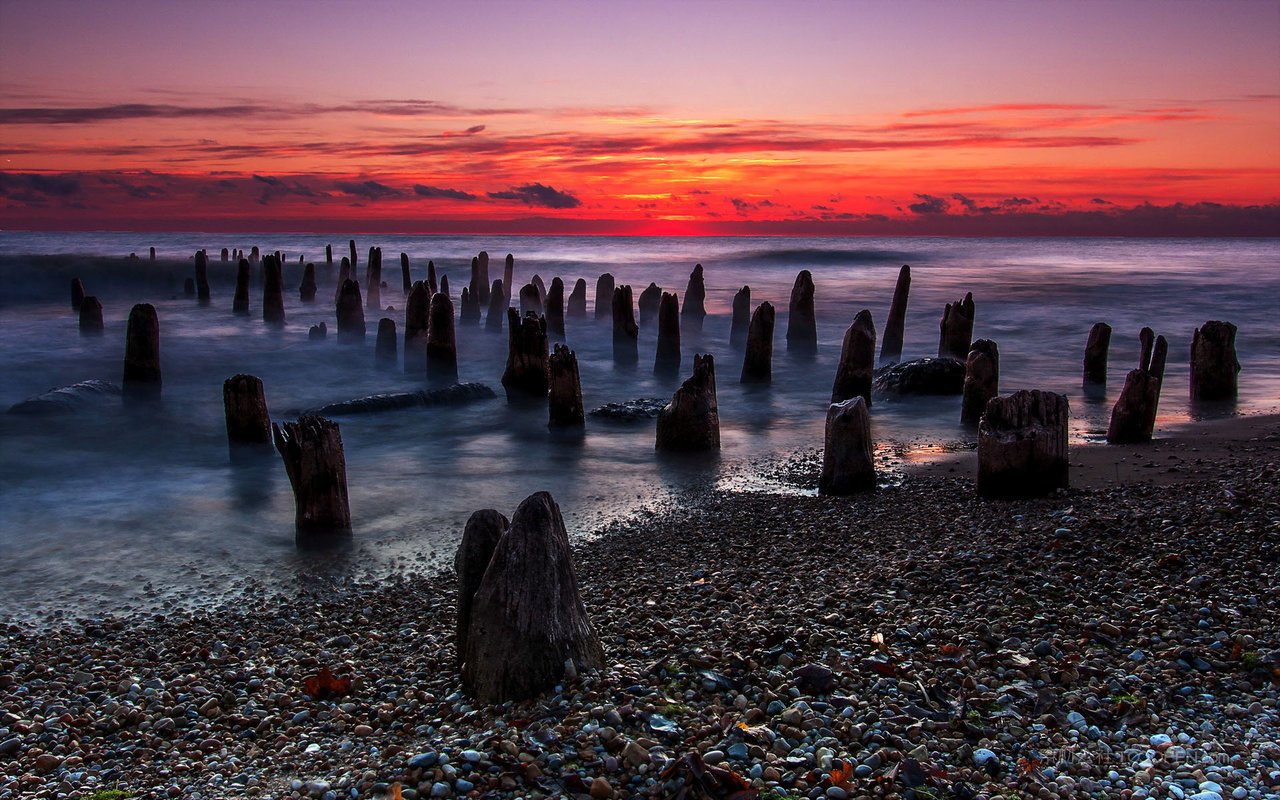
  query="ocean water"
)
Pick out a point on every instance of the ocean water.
point(107, 511)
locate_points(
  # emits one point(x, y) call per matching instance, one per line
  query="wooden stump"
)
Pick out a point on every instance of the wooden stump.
point(530, 300)
point(741, 318)
point(648, 304)
point(1133, 417)
point(272, 291)
point(350, 310)
point(577, 305)
point(565, 401)
point(666, 362)
point(497, 307)
point(626, 334)
point(317, 468)
point(695, 297)
point(956, 329)
point(981, 380)
point(757, 364)
point(248, 424)
point(802, 323)
point(691, 421)
point(555, 309)
point(328, 255)
point(444, 286)
point(416, 312)
point(1214, 366)
point(406, 277)
point(526, 374)
point(142, 382)
point(1095, 356)
point(351, 247)
point(153, 253)
point(857, 361)
point(468, 308)
point(240, 302)
point(384, 350)
point(604, 296)
point(508, 275)
point(1022, 445)
point(527, 618)
point(536, 280)
point(431, 277)
point(225, 254)
point(77, 294)
point(91, 316)
point(345, 273)
point(317, 333)
point(480, 538)
point(202, 276)
point(307, 289)
point(848, 466)
point(442, 343)
point(373, 280)
point(482, 289)
point(895, 326)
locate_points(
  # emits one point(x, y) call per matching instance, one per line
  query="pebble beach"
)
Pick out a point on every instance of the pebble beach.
point(1119, 639)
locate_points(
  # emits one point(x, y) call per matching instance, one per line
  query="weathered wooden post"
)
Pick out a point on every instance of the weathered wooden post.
point(857, 361)
point(1095, 358)
point(272, 291)
point(483, 277)
point(405, 277)
point(248, 424)
point(691, 421)
point(345, 273)
point(442, 343)
point(77, 294)
point(431, 277)
point(307, 289)
point(225, 254)
point(497, 306)
point(384, 349)
point(153, 254)
point(351, 246)
point(1214, 366)
point(527, 373)
point(527, 620)
point(240, 302)
point(802, 324)
point(328, 255)
point(741, 318)
point(1133, 417)
point(474, 282)
point(311, 449)
point(981, 380)
point(757, 364)
point(202, 276)
point(895, 326)
point(373, 286)
point(1022, 445)
point(956, 329)
point(479, 539)
point(468, 308)
point(317, 333)
point(254, 255)
point(508, 275)
point(577, 305)
point(444, 285)
point(536, 280)
point(625, 332)
point(141, 383)
point(565, 397)
point(695, 296)
point(604, 296)
point(648, 303)
point(848, 466)
point(91, 316)
point(350, 312)
point(666, 362)
point(416, 313)
point(530, 300)
point(555, 308)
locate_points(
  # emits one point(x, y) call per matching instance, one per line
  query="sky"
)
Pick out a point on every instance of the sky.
point(813, 118)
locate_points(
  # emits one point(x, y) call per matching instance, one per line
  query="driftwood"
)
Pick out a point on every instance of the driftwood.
point(1095, 357)
point(981, 380)
point(244, 404)
point(565, 397)
point(848, 465)
point(1133, 417)
point(625, 331)
point(351, 326)
point(691, 421)
point(67, 399)
point(577, 304)
point(417, 309)
point(757, 364)
point(384, 350)
point(857, 361)
point(695, 297)
point(666, 361)
point(527, 620)
point(497, 307)
point(457, 394)
point(895, 326)
point(1214, 366)
point(91, 316)
point(272, 291)
point(956, 329)
point(922, 376)
point(648, 304)
point(527, 373)
point(604, 296)
point(442, 342)
point(555, 309)
point(141, 382)
point(802, 323)
point(479, 539)
point(1022, 445)
point(317, 468)
point(741, 318)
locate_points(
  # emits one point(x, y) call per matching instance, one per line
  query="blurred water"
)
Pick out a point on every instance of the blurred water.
point(105, 510)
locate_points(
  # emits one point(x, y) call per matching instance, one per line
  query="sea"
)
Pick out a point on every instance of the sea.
point(104, 511)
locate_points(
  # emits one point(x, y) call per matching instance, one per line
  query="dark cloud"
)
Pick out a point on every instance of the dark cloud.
point(269, 180)
point(536, 194)
point(136, 190)
point(742, 206)
point(698, 191)
point(820, 207)
point(369, 190)
point(929, 205)
point(968, 203)
point(1016, 202)
point(474, 129)
point(81, 115)
point(438, 192)
point(24, 184)
point(1098, 201)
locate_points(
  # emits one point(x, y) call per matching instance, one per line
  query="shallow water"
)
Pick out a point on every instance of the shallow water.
point(103, 510)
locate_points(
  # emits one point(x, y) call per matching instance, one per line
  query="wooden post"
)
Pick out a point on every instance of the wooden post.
point(405, 277)
point(1022, 445)
point(604, 296)
point(345, 273)
point(351, 246)
point(444, 286)
point(497, 307)
point(374, 283)
point(311, 449)
point(857, 361)
point(508, 275)
point(317, 333)
point(565, 400)
point(442, 343)
point(307, 289)
point(202, 276)
point(240, 302)
point(483, 278)
point(1095, 357)
point(248, 424)
point(695, 296)
point(91, 316)
point(527, 373)
point(272, 291)
point(1133, 417)
point(848, 465)
point(648, 304)
point(142, 382)
point(757, 364)
point(225, 254)
point(666, 362)
point(350, 312)
point(77, 294)
point(479, 539)
point(328, 255)
point(555, 309)
point(691, 421)
point(416, 313)
point(431, 277)
point(468, 308)
point(802, 324)
point(981, 380)
point(956, 329)
point(741, 318)
point(384, 350)
point(1214, 366)
point(625, 332)
point(530, 300)
point(891, 349)
point(577, 306)
point(153, 254)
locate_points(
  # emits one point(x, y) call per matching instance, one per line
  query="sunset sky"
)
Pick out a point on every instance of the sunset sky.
point(960, 118)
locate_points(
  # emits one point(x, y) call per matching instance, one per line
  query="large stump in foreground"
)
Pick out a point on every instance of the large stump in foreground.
point(981, 380)
point(1214, 366)
point(526, 375)
point(565, 400)
point(317, 467)
point(527, 618)
point(1095, 357)
point(802, 323)
point(485, 528)
point(741, 318)
point(1022, 445)
point(895, 326)
point(848, 465)
point(142, 356)
point(691, 421)
point(956, 329)
point(757, 364)
point(1133, 417)
point(248, 424)
point(695, 300)
point(857, 360)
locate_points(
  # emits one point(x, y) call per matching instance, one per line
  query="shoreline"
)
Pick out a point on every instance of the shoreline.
point(706, 610)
